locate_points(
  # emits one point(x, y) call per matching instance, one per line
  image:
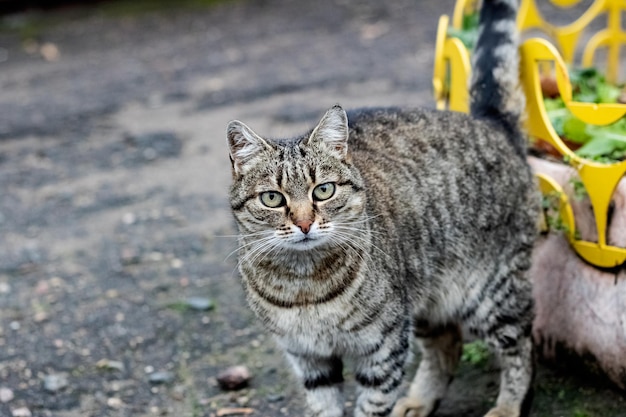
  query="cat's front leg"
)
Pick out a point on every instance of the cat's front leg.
point(380, 373)
point(322, 377)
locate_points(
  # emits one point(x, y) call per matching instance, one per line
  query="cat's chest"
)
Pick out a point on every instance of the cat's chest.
point(322, 330)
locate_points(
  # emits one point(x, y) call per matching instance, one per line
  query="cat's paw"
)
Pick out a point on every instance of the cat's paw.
point(503, 411)
point(410, 407)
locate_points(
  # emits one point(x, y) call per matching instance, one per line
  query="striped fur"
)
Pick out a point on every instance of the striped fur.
point(381, 224)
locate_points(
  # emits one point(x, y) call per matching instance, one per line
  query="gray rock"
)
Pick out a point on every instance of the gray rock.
point(161, 377)
point(55, 382)
point(199, 303)
point(6, 395)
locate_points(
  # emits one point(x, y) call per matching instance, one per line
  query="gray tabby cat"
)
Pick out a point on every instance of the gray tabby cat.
point(387, 222)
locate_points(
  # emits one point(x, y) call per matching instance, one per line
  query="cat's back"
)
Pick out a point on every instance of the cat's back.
point(445, 176)
point(430, 144)
point(421, 133)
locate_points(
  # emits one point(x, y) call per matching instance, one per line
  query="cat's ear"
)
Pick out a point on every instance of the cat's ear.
point(333, 131)
point(243, 145)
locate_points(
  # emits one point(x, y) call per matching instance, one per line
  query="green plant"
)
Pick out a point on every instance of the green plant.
point(551, 204)
point(599, 143)
point(580, 192)
point(468, 34)
point(475, 353)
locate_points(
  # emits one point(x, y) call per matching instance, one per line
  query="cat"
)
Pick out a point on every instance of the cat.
point(384, 223)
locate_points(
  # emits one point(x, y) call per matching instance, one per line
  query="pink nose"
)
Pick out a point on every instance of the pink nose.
point(304, 225)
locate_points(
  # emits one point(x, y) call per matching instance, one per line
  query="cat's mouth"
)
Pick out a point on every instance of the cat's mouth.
point(306, 242)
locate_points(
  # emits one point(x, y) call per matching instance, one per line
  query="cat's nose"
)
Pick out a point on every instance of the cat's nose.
point(304, 225)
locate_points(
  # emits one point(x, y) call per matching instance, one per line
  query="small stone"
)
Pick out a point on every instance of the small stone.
point(5, 288)
point(14, 325)
point(161, 377)
point(49, 52)
point(6, 395)
point(115, 403)
point(155, 256)
point(40, 317)
point(55, 382)
point(234, 378)
point(274, 398)
point(129, 256)
point(129, 218)
point(110, 365)
point(199, 303)
point(176, 263)
point(178, 393)
point(21, 412)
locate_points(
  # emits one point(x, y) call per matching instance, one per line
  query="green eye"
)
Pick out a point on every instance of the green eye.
point(324, 191)
point(272, 199)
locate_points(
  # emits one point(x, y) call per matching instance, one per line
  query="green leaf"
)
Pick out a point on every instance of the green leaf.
point(608, 93)
point(575, 130)
point(602, 146)
point(470, 21)
point(468, 37)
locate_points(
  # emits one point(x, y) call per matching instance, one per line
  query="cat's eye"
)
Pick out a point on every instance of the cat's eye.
point(272, 199)
point(324, 191)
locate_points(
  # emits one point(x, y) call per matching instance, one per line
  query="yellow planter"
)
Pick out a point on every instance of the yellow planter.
point(452, 73)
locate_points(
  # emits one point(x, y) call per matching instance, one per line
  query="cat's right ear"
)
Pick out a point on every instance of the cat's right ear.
point(243, 145)
point(332, 130)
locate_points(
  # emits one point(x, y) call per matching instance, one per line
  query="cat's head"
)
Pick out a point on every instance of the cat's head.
point(297, 194)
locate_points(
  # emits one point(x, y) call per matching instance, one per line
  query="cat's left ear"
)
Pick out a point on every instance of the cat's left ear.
point(333, 131)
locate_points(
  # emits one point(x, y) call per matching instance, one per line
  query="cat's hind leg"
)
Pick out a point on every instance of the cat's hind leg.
point(441, 348)
point(516, 377)
point(504, 320)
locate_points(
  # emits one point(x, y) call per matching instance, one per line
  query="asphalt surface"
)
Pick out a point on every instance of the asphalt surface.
point(118, 287)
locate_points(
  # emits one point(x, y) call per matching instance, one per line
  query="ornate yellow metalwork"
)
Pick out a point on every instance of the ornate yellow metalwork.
point(450, 80)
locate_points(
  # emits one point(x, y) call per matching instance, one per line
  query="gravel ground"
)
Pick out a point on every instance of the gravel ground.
point(118, 289)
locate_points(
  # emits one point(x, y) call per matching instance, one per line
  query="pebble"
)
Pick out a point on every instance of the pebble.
point(110, 365)
point(55, 382)
point(274, 398)
point(49, 52)
point(161, 377)
point(6, 395)
point(178, 393)
point(130, 256)
point(115, 403)
point(21, 412)
point(129, 218)
point(5, 288)
point(199, 303)
point(234, 378)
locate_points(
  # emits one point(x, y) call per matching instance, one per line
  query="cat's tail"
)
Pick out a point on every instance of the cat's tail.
point(495, 92)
